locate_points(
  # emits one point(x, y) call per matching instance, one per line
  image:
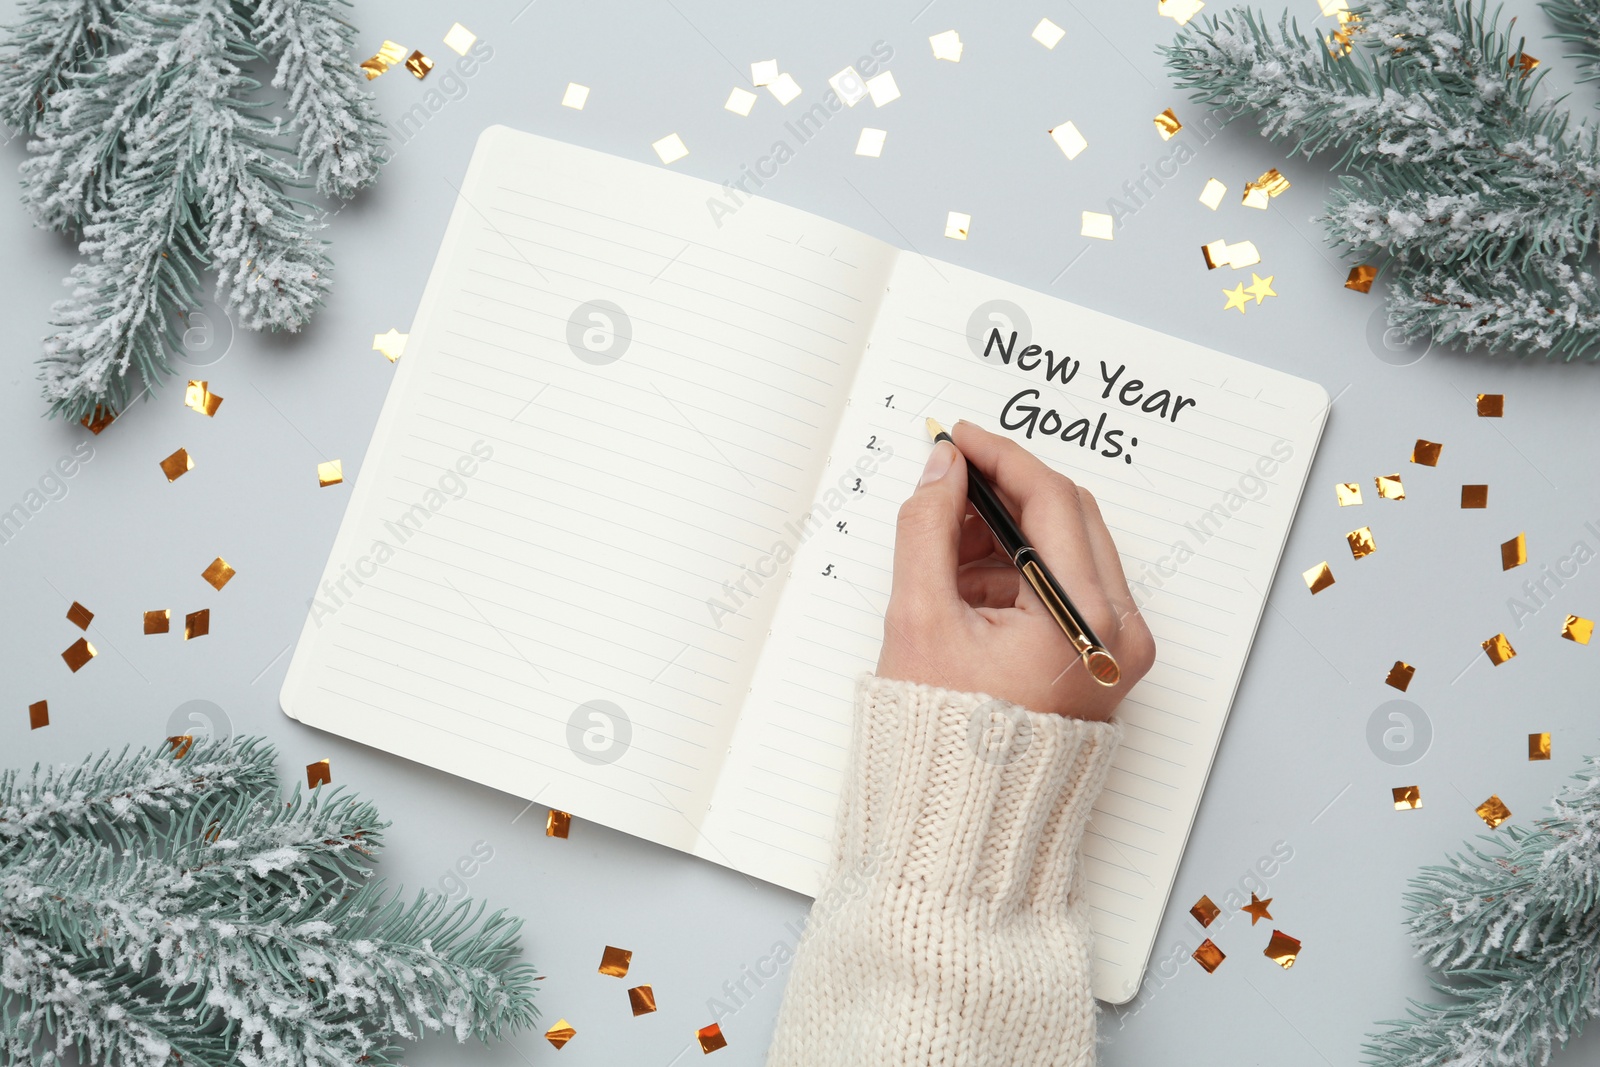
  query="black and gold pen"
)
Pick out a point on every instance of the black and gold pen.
point(1101, 664)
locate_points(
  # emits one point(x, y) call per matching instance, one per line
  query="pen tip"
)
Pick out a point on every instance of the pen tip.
point(934, 429)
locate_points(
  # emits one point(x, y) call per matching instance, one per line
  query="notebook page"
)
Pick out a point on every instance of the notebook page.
point(607, 400)
point(1222, 480)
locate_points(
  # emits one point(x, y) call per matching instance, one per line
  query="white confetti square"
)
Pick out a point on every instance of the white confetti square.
point(1097, 225)
point(1069, 140)
point(670, 148)
point(870, 143)
point(764, 72)
point(947, 46)
point(784, 87)
point(459, 39)
point(883, 89)
point(1048, 33)
point(849, 86)
point(575, 96)
point(740, 101)
point(957, 225)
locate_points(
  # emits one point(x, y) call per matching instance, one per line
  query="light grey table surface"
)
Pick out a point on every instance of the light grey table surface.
point(1295, 772)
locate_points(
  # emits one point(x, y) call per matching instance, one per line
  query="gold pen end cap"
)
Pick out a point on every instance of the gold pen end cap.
point(934, 429)
point(1102, 666)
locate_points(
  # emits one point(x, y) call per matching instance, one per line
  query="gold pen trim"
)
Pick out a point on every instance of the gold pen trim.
point(1101, 664)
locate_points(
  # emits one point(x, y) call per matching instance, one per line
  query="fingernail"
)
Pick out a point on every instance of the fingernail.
point(943, 455)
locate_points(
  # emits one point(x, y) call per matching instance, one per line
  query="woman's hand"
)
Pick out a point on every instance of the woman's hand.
point(961, 616)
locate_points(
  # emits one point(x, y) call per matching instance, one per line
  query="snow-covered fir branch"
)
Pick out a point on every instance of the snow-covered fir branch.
point(1552, 308)
point(52, 40)
point(1579, 25)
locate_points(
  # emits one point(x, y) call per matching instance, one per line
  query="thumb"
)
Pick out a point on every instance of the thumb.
point(928, 532)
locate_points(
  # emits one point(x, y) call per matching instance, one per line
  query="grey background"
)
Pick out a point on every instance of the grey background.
point(1294, 767)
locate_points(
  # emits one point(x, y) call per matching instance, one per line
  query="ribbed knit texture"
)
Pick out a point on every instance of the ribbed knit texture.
point(951, 928)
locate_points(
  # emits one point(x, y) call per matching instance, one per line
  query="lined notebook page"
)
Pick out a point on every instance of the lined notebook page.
point(774, 805)
point(608, 403)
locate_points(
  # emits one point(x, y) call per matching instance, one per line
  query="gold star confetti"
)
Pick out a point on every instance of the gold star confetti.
point(158, 622)
point(1361, 543)
point(1493, 812)
point(1099, 225)
point(711, 1038)
point(1069, 140)
point(1204, 911)
point(1211, 196)
point(557, 823)
point(38, 715)
point(1577, 629)
point(218, 573)
point(1491, 405)
point(178, 746)
point(1349, 493)
point(560, 1033)
point(1257, 909)
point(387, 56)
point(79, 616)
point(947, 46)
point(956, 225)
point(459, 39)
point(575, 96)
point(1498, 649)
point(419, 65)
point(670, 148)
point(784, 88)
point(1260, 287)
point(1209, 956)
point(1255, 196)
point(870, 143)
point(196, 624)
point(1474, 496)
point(199, 397)
point(1237, 298)
point(1426, 453)
point(1390, 487)
point(319, 773)
point(642, 999)
point(1167, 124)
point(1282, 949)
point(740, 101)
point(1179, 11)
point(763, 72)
point(80, 653)
point(614, 962)
point(883, 89)
point(1514, 553)
point(1538, 747)
point(98, 419)
point(330, 473)
point(1407, 797)
point(1400, 675)
point(1361, 278)
point(391, 344)
point(177, 465)
point(1318, 578)
point(1048, 33)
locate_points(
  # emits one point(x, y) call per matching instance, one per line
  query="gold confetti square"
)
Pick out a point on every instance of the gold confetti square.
point(1407, 797)
point(763, 72)
point(177, 465)
point(560, 1033)
point(1255, 196)
point(1282, 949)
point(1099, 225)
point(330, 473)
point(1474, 496)
point(1333, 7)
point(1426, 453)
point(1491, 405)
point(1243, 254)
point(1349, 493)
point(1215, 253)
point(1361, 278)
point(419, 65)
point(849, 86)
point(1361, 543)
point(1318, 578)
point(319, 773)
point(1499, 649)
point(1205, 911)
point(196, 624)
point(642, 999)
point(80, 653)
point(1578, 629)
point(1069, 140)
point(79, 616)
point(1273, 182)
point(158, 622)
point(1400, 675)
point(711, 1038)
point(1514, 553)
point(199, 397)
point(38, 714)
point(1523, 63)
point(1493, 812)
point(1209, 956)
point(218, 573)
point(1211, 196)
point(784, 88)
point(1048, 33)
point(459, 39)
point(870, 143)
point(614, 962)
point(575, 96)
point(178, 746)
point(1390, 487)
point(947, 46)
point(1167, 124)
point(1179, 11)
point(740, 101)
point(1538, 747)
point(391, 344)
point(956, 225)
point(557, 823)
point(883, 89)
point(98, 419)
point(387, 56)
point(670, 148)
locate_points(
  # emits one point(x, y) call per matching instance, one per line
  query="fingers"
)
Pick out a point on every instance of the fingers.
point(928, 535)
point(985, 585)
point(976, 540)
point(1106, 559)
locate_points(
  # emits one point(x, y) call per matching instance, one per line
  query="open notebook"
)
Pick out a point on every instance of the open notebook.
point(622, 539)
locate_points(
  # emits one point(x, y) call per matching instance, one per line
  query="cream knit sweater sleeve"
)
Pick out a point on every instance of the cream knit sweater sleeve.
point(951, 928)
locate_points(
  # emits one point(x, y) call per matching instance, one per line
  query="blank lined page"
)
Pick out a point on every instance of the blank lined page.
point(611, 401)
point(1200, 516)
